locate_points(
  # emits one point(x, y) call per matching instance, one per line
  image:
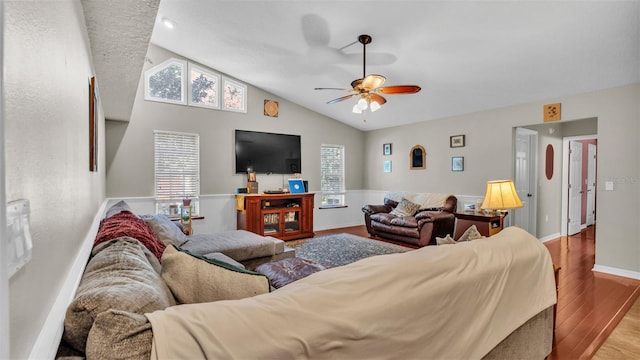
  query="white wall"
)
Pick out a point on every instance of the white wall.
point(131, 168)
point(47, 68)
point(488, 156)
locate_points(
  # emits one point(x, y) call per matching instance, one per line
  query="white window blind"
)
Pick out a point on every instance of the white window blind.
point(177, 166)
point(332, 181)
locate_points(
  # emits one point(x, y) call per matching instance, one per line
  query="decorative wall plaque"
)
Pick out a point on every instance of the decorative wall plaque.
point(271, 108)
point(552, 112)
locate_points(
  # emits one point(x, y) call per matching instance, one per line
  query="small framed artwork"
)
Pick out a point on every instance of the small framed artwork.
point(457, 163)
point(456, 141)
point(234, 96)
point(93, 125)
point(386, 149)
point(387, 166)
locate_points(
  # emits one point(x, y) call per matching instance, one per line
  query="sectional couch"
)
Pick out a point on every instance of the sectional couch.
point(133, 304)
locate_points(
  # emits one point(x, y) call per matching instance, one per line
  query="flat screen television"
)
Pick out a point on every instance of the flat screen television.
point(267, 153)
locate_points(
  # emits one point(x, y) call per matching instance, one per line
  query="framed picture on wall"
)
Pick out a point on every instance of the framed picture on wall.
point(456, 141)
point(386, 149)
point(387, 166)
point(457, 163)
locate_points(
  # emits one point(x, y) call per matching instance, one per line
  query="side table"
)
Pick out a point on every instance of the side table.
point(487, 225)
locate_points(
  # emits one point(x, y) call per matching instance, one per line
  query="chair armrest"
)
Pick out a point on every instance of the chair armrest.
point(374, 209)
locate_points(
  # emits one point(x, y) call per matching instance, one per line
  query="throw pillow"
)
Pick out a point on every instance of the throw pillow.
point(166, 231)
point(445, 240)
point(117, 208)
point(405, 208)
point(471, 233)
point(196, 279)
point(128, 224)
point(120, 277)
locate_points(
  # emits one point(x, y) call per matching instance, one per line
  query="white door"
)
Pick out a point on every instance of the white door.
point(575, 187)
point(591, 184)
point(525, 179)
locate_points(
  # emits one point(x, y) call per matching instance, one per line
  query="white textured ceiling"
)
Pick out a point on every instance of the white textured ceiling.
point(466, 55)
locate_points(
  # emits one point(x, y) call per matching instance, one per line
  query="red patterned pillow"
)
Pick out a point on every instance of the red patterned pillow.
point(126, 223)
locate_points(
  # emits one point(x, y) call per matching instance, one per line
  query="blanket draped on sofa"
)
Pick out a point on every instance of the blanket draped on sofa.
point(451, 301)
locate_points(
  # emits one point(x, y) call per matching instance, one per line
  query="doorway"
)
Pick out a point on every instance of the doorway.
point(526, 178)
point(579, 190)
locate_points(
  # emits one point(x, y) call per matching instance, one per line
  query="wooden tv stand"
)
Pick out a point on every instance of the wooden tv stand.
point(283, 216)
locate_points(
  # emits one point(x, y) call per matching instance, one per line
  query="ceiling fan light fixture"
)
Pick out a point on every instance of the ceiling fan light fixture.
point(356, 109)
point(374, 106)
point(362, 104)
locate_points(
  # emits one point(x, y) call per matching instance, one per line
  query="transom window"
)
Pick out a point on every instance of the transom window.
point(165, 82)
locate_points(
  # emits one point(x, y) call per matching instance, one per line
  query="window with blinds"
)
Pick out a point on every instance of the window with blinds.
point(332, 182)
point(177, 170)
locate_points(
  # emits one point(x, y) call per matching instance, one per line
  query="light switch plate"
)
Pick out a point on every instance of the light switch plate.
point(18, 235)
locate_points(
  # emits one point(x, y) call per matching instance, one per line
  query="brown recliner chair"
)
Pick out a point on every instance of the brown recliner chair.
point(421, 229)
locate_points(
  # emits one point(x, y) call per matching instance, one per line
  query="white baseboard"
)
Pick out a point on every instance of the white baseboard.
point(48, 340)
point(550, 237)
point(617, 272)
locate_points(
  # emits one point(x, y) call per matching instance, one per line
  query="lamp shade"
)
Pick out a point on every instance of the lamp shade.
point(501, 194)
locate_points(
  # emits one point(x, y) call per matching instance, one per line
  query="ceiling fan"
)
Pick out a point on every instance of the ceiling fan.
point(369, 87)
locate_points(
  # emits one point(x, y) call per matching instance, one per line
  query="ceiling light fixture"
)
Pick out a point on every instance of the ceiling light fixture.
point(170, 24)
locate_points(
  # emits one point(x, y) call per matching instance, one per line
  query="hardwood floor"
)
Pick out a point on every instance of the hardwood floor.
point(590, 304)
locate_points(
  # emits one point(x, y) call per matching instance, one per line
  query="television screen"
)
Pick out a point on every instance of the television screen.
point(267, 153)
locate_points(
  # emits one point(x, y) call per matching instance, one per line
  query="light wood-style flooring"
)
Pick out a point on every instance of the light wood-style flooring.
point(590, 304)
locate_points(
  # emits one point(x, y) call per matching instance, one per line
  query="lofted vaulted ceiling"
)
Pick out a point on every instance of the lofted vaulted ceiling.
point(467, 56)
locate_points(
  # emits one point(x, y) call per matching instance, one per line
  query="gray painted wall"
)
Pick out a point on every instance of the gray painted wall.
point(131, 163)
point(47, 70)
point(488, 155)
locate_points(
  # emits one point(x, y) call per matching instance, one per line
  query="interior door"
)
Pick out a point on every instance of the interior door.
point(526, 143)
point(591, 184)
point(575, 187)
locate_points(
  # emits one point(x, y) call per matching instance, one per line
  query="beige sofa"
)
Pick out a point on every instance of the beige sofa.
point(489, 298)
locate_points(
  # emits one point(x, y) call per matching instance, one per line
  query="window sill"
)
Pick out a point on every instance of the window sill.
point(332, 207)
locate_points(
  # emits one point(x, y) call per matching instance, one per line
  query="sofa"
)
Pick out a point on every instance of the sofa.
point(412, 218)
point(498, 305)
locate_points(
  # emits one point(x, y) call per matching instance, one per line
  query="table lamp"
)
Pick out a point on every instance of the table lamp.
point(501, 195)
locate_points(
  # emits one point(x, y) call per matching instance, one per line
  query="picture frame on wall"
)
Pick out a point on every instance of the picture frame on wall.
point(456, 141)
point(387, 166)
point(386, 149)
point(457, 163)
point(93, 125)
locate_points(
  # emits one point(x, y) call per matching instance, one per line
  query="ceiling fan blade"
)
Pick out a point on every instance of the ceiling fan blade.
point(399, 89)
point(377, 98)
point(330, 88)
point(372, 81)
point(347, 97)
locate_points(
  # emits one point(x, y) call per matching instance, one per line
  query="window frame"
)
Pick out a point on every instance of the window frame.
point(160, 67)
point(163, 202)
point(208, 74)
point(238, 85)
point(329, 194)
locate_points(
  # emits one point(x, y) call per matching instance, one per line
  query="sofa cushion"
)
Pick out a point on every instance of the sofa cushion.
point(447, 240)
point(471, 233)
point(128, 224)
point(119, 276)
point(196, 279)
point(239, 245)
point(166, 231)
point(392, 220)
point(118, 334)
point(405, 208)
point(286, 271)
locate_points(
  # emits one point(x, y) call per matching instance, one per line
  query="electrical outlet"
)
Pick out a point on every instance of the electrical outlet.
point(608, 185)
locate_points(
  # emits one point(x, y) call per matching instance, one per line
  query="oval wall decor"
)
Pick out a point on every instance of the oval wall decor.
point(548, 164)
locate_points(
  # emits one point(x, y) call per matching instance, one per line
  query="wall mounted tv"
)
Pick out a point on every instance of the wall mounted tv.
point(267, 153)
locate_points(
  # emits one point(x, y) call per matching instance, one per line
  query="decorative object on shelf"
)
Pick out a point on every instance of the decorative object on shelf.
point(457, 163)
point(386, 149)
point(296, 186)
point(456, 141)
point(185, 216)
point(369, 87)
point(548, 163)
point(387, 166)
point(271, 108)
point(501, 195)
point(252, 184)
point(552, 112)
point(418, 158)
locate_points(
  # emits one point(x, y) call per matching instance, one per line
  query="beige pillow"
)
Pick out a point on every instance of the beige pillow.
point(196, 279)
point(405, 208)
point(445, 240)
point(166, 230)
point(471, 233)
